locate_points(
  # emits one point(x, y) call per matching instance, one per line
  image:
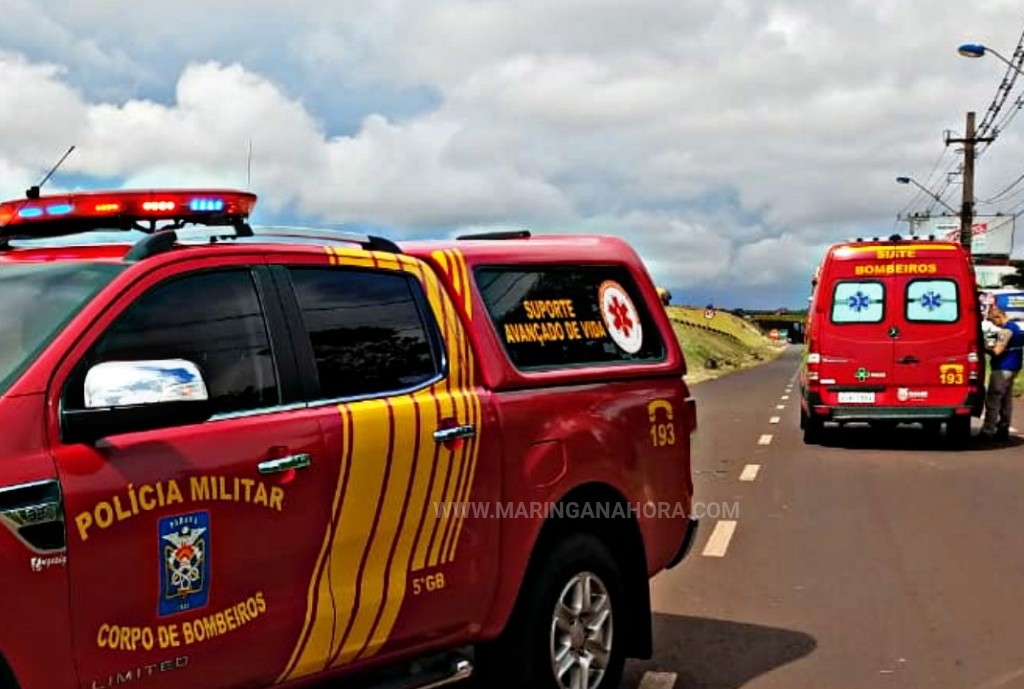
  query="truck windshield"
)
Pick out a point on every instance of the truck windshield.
point(36, 300)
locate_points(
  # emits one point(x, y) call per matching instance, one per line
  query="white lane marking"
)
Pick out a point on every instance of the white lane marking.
point(750, 472)
point(765, 439)
point(718, 544)
point(774, 419)
point(780, 406)
point(785, 397)
point(658, 680)
point(1013, 430)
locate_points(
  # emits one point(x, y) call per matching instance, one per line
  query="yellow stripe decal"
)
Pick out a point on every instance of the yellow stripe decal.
point(413, 517)
point(472, 476)
point(460, 455)
point(898, 247)
point(459, 477)
point(385, 514)
point(467, 292)
point(386, 530)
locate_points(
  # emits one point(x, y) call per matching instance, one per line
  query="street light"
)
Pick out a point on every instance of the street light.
point(975, 50)
point(911, 180)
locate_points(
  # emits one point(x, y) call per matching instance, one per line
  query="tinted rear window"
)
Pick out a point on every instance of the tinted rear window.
point(858, 301)
point(38, 299)
point(932, 301)
point(560, 316)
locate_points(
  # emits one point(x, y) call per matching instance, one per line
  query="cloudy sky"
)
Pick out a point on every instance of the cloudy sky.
point(729, 140)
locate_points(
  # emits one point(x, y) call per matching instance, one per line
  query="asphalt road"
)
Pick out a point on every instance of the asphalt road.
point(872, 561)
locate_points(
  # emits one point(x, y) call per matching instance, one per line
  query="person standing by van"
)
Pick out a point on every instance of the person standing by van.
point(1007, 357)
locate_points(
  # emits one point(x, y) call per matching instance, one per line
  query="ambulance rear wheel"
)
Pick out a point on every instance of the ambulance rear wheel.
point(563, 633)
point(813, 428)
point(958, 430)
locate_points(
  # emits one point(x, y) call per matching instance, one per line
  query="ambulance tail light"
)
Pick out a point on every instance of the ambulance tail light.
point(813, 362)
point(972, 363)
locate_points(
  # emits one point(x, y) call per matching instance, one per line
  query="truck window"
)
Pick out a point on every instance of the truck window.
point(367, 331)
point(564, 316)
point(858, 301)
point(213, 319)
point(38, 299)
point(932, 301)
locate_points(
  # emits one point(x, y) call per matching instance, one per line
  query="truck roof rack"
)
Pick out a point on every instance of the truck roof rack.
point(162, 241)
point(504, 234)
point(369, 242)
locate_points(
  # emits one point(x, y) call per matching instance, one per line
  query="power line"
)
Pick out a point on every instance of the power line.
point(927, 184)
point(985, 135)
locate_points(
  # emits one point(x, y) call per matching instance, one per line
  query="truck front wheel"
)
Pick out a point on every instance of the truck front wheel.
point(562, 634)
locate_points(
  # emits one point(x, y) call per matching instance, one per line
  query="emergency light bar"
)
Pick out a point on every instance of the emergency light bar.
point(112, 209)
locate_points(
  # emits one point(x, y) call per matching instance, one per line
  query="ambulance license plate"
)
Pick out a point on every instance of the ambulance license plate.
point(856, 398)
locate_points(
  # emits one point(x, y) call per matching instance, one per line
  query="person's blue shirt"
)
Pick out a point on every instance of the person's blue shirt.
point(1013, 356)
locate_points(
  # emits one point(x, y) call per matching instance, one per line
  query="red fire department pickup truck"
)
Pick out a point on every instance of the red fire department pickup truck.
point(239, 458)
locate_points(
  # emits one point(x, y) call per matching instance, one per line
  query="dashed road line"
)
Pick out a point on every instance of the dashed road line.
point(774, 419)
point(718, 544)
point(785, 397)
point(765, 439)
point(780, 406)
point(658, 680)
point(750, 472)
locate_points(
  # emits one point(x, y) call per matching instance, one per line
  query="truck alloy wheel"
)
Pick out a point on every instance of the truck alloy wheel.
point(560, 635)
point(581, 633)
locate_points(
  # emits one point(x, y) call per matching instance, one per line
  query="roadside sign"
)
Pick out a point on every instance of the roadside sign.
point(709, 313)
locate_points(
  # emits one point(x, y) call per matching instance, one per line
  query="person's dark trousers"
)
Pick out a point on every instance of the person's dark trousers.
point(999, 404)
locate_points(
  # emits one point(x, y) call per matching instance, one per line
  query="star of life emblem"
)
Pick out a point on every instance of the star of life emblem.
point(931, 301)
point(620, 317)
point(858, 302)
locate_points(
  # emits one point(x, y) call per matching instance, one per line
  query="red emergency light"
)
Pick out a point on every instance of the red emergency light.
point(202, 206)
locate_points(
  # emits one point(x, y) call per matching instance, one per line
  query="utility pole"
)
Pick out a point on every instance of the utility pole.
point(967, 207)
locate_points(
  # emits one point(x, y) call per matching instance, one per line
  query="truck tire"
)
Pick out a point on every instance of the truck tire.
point(564, 624)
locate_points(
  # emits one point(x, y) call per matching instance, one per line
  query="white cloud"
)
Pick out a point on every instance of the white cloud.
point(729, 139)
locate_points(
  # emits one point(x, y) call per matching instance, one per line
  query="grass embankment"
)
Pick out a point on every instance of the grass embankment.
point(730, 342)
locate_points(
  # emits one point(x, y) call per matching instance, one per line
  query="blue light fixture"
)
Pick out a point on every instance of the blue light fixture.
point(30, 212)
point(971, 50)
point(202, 204)
point(60, 209)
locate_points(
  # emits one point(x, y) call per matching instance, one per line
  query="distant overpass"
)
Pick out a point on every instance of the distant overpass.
point(790, 321)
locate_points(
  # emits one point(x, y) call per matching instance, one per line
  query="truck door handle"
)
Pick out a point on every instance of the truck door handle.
point(909, 359)
point(299, 461)
point(444, 435)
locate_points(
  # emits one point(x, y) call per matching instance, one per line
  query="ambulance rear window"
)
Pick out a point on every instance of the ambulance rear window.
point(932, 301)
point(566, 316)
point(858, 301)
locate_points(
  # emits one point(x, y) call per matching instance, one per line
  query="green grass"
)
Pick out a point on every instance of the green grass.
point(1018, 386)
point(746, 347)
point(726, 322)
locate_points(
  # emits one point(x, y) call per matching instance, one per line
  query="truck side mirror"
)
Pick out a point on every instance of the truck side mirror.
point(133, 396)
